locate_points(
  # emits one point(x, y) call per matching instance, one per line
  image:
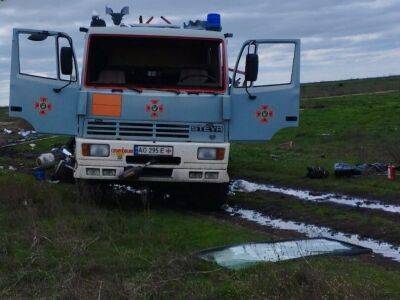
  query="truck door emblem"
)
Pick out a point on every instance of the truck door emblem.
point(43, 106)
point(264, 113)
point(154, 107)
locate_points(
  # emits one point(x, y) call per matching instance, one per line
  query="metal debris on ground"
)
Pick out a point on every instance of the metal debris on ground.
point(244, 255)
point(39, 173)
point(64, 172)
point(287, 145)
point(46, 160)
point(27, 133)
point(346, 169)
point(61, 161)
point(317, 172)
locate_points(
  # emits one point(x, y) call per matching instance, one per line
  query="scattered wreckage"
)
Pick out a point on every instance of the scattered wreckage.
point(349, 170)
point(60, 161)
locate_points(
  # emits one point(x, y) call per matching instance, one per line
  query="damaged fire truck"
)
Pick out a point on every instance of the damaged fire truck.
point(156, 105)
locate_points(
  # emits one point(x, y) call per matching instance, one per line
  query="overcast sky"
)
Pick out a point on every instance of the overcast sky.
point(341, 39)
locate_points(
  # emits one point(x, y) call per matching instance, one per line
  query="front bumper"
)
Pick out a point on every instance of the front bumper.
point(121, 154)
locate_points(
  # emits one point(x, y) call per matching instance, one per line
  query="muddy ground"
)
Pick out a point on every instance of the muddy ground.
point(365, 222)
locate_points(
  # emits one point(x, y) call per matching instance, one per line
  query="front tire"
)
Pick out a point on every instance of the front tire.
point(210, 196)
point(90, 191)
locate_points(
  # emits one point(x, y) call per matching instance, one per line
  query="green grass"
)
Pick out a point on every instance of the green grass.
point(53, 246)
point(352, 86)
point(4, 114)
point(354, 129)
point(44, 145)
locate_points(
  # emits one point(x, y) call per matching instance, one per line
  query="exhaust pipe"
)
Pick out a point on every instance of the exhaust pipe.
point(134, 172)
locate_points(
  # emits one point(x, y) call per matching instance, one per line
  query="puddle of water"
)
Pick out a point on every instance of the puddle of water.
point(241, 256)
point(248, 187)
point(312, 231)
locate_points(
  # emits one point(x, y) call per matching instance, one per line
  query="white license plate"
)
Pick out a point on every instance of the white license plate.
point(154, 150)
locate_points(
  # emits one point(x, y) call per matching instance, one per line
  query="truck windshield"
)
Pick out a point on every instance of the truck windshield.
point(160, 63)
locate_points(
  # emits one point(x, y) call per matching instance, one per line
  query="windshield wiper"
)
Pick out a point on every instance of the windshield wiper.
point(176, 91)
point(203, 92)
point(133, 88)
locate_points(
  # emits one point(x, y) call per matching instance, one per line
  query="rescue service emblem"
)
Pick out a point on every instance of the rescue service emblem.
point(121, 152)
point(154, 107)
point(43, 106)
point(264, 113)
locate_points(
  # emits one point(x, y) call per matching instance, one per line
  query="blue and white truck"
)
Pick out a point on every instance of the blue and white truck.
point(156, 104)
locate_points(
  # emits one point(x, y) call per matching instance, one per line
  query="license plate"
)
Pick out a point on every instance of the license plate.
point(154, 150)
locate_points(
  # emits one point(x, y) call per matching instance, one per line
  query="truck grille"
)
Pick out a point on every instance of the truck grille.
point(132, 130)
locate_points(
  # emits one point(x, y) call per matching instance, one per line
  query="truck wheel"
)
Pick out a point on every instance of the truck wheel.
point(90, 191)
point(210, 196)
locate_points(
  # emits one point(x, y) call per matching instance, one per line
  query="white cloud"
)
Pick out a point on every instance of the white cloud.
point(359, 37)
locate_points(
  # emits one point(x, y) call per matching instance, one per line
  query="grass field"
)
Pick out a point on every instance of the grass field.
point(52, 245)
point(352, 86)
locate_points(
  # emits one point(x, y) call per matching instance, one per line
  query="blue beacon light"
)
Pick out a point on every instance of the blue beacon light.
point(214, 22)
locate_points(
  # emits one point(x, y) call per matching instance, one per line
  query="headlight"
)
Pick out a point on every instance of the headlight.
point(211, 153)
point(95, 150)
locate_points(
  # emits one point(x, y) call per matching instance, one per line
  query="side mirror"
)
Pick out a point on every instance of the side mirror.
point(66, 60)
point(251, 67)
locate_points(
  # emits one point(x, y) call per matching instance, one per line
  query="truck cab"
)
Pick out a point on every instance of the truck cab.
point(155, 105)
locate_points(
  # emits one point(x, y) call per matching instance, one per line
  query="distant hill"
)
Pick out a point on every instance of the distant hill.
point(351, 86)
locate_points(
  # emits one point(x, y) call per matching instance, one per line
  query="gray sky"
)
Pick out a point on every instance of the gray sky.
point(340, 38)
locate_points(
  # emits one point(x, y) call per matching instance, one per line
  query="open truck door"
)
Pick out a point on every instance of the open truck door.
point(265, 90)
point(44, 81)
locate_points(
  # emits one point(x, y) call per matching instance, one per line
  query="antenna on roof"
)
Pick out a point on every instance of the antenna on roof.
point(117, 17)
point(97, 21)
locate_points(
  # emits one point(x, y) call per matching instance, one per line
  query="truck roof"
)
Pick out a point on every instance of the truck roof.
point(157, 31)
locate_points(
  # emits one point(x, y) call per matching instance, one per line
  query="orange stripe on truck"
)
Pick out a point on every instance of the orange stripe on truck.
point(106, 105)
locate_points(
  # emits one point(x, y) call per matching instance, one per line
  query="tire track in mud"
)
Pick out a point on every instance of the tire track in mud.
point(306, 195)
point(378, 247)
